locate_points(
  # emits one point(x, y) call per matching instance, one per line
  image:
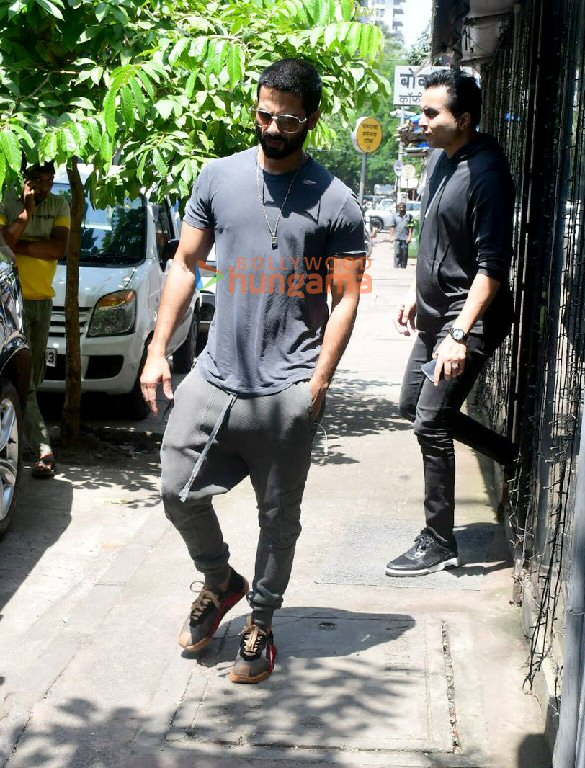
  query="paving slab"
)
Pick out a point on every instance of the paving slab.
point(335, 670)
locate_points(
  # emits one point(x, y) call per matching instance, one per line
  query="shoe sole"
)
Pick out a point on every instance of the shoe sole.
point(234, 600)
point(257, 678)
point(453, 563)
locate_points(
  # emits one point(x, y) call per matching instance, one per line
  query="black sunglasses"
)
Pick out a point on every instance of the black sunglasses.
point(284, 123)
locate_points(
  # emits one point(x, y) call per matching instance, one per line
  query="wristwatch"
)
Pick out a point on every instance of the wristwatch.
point(458, 334)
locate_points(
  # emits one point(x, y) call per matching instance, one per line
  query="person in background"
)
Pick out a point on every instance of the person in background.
point(401, 230)
point(35, 226)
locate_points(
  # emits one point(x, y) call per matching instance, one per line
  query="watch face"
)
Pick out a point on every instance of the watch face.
point(458, 334)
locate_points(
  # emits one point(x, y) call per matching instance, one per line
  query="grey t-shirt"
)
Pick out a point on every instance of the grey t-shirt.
point(271, 303)
point(403, 225)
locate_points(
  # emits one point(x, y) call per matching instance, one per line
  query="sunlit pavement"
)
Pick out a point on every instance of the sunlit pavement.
point(371, 671)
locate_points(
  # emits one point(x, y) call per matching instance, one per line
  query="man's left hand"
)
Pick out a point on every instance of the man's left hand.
point(450, 356)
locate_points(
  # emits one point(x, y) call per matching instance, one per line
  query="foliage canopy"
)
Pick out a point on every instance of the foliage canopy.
point(162, 85)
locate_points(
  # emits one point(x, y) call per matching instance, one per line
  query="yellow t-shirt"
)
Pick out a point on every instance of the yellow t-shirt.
point(36, 275)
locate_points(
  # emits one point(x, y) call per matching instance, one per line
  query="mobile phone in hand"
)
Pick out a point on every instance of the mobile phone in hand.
point(429, 370)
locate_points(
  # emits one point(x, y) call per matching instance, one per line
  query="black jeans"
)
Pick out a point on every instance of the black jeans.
point(435, 413)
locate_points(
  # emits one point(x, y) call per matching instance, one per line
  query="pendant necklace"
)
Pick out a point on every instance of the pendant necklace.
point(273, 232)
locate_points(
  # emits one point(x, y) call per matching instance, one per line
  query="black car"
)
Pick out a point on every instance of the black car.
point(14, 382)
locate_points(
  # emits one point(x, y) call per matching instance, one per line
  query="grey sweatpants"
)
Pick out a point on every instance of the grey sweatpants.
point(268, 438)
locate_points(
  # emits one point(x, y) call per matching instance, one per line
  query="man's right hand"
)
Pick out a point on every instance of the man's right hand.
point(156, 371)
point(405, 314)
point(29, 199)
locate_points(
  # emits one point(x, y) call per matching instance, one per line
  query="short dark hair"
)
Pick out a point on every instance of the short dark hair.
point(464, 92)
point(296, 76)
point(37, 168)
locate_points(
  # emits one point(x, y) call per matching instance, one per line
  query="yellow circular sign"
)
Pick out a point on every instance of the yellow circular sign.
point(368, 134)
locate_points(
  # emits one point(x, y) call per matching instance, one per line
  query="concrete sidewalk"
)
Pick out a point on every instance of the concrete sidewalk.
point(371, 671)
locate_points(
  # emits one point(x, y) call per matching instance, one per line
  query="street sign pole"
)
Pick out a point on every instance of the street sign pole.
point(363, 178)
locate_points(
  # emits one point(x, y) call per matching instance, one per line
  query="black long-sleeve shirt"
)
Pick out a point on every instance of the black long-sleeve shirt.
point(467, 218)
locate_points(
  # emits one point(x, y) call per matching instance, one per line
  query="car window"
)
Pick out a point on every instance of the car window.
point(164, 231)
point(111, 235)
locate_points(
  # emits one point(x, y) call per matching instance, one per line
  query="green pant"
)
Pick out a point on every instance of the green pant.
point(37, 320)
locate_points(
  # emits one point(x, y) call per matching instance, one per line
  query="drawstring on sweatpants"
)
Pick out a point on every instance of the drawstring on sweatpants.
point(325, 443)
point(216, 427)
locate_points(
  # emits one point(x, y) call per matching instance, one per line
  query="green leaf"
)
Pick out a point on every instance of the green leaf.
point(190, 85)
point(95, 135)
point(101, 11)
point(215, 52)
point(198, 49)
point(146, 82)
point(109, 109)
point(95, 74)
point(51, 7)
point(164, 107)
point(67, 142)
point(11, 149)
point(79, 132)
point(330, 35)
point(106, 149)
point(315, 35)
point(178, 49)
point(235, 64)
point(141, 166)
point(83, 103)
point(127, 102)
point(48, 147)
point(25, 137)
point(159, 164)
point(139, 102)
point(354, 38)
point(347, 9)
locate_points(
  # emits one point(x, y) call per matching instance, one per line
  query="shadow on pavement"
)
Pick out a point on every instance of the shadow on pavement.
point(341, 678)
point(353, 412)
point(42, 514)
point(533, 752)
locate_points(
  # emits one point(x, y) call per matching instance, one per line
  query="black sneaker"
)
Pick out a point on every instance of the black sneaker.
point(426, 556)
point(255, 659)
point(208, 610)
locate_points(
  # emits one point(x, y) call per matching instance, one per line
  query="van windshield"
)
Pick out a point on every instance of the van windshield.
point(112, 235)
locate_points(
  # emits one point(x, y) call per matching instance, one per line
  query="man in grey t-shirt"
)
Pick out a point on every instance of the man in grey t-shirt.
point(401, 230)
point(285, 230)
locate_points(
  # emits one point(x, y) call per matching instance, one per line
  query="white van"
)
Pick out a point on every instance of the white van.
point(126, 251)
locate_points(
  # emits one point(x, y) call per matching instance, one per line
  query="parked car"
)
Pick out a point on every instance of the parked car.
point(125, 256)
point(380, 217)
point(14, 382)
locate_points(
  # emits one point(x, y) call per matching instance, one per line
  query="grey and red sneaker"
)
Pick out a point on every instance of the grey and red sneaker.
point(255, 659)
point(208, 610)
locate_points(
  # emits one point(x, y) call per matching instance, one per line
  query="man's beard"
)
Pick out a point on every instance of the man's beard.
point(287, 146)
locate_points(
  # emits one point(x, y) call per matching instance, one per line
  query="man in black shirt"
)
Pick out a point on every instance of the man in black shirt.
point(460, 303)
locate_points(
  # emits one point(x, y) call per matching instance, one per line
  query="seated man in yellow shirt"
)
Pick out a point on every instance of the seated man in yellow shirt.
point(35, 226)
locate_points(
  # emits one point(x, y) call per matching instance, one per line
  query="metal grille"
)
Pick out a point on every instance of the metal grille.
point(57, 329)
point(535, 103)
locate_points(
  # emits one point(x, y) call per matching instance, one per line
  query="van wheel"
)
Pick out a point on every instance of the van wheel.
point(10, 451)
point(133, 405)
point(376, 224)
point(183, 357)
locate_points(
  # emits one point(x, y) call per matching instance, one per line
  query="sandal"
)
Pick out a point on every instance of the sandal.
point(44, 467)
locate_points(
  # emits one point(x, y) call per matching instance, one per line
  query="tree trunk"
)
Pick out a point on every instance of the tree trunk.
point(71, 421)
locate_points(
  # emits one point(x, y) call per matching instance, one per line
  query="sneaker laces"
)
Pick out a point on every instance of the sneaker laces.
point(253, 637)
point(423, 540)
point(205, 598)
